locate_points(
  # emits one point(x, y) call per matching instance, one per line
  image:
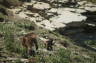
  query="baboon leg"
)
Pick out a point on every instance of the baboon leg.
point(31, 52)
point(45, 45)
point(50, 48)
point(36, 44)
point(28, 51)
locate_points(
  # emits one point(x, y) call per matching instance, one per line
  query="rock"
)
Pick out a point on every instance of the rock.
point(26, 0)
point(41, 6)
point(10, 13)
point(71, 3)
point(71, 28)
point(34, 10)
point(82, 2)
point(30, 27)
point(32, 60)
point(91, 16)
point(14, 59)
point(17, 12)
point(74, 25)
point(89, 27)
point(65, 44)
point(90, 24)
point(38, 6)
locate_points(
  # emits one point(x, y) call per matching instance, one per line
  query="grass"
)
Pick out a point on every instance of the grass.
point(9, 3)
point(2, 12)
point(14, 30)
point(91, 43)
point(12, 33)
point(93, 1)
point(18, 61)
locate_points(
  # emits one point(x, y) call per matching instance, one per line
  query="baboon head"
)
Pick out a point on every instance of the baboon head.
point(33, 35)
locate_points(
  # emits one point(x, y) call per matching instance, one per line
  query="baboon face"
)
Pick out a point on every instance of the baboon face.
point(33, 36)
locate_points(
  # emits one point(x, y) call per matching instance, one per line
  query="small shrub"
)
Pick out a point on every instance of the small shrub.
point(9, 41)
point(62, 56)
point(26, 25)
point(9, 3)
point(91, 42)
point(18, 61)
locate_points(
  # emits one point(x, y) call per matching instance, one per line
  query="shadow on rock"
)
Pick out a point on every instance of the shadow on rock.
point(77, 32)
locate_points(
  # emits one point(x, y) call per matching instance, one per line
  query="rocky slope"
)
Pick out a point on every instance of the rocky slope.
point(47, 16)
point(70, 25)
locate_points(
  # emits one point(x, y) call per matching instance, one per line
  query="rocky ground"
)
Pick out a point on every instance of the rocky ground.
point(46, 16)
point(71, 26)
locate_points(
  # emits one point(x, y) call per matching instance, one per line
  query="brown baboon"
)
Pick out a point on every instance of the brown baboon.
point(29, 41)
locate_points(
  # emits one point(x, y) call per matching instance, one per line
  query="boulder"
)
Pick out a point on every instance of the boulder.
point(10, 13)
point(34, 10)
point(38, 6)
point(41, 6)
point(89, 27)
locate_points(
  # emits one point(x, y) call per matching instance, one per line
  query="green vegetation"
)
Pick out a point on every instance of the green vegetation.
point(2, 16)
point(91, 43)
point(9, 3)
point(13, 30)
point(12, 1)
point(94, 1)
point(63, 56)
point(18, 61)
point(11, 34)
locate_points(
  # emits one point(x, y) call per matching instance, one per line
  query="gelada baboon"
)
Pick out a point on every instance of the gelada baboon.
point(49, 44)
point(29, 41)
